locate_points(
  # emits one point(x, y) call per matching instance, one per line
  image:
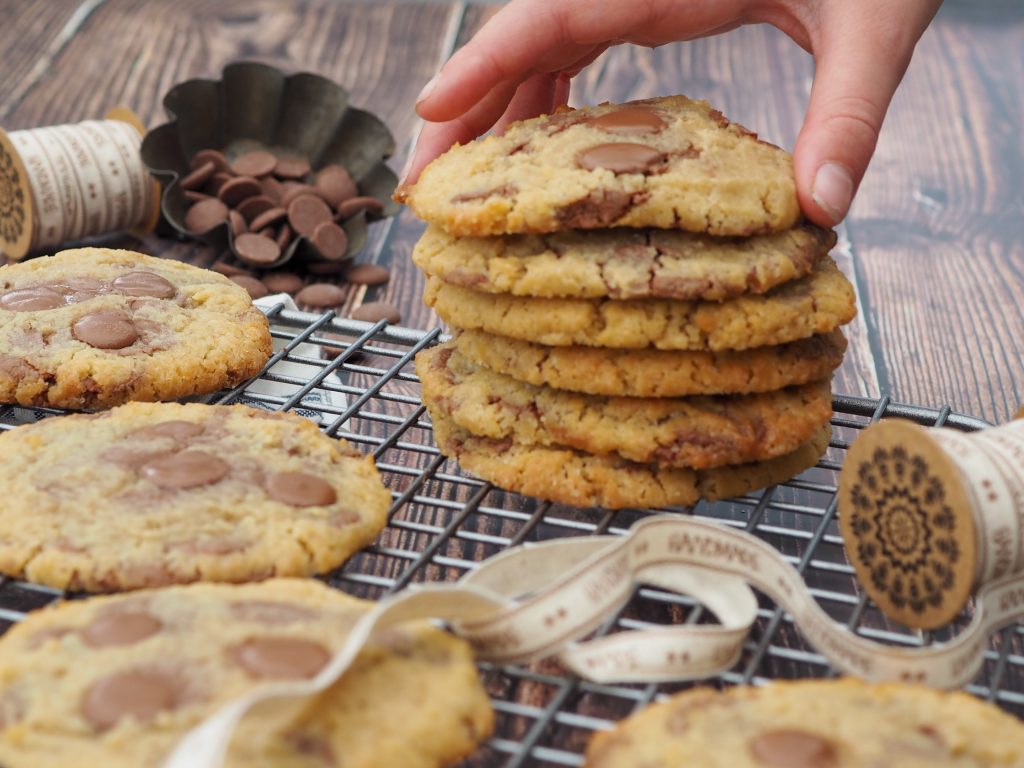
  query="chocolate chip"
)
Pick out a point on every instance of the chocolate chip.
point(199, 176)
point(204, 156)
point(269, 233)
point(238, 225)
point(306, 212)
point(291, 167)
point(330, 240)
point(334, 184)
point(293, 190)
point(600, 208)
point(252, 207)
point(177, 430)
point(142, 283)
point(793, 748)
point(31, 299)
point(239, 189)
point(367, 274)
point(195, 197)
point(267, 218)
point(106, 329)
point(281, 657)
point(373, 207)
point(620, 158)
point(272, 188)
point(320, 295)
point(217, 182)
point(256, 250)
point(228, 269)
point(282, 282)
point(205, 215)
point(140, 694)
point(299, 489)
point(375, 311)
point(188, 469)
point(284, 236)
point(121, 629)
point(256, 163)
point(255, 288)
point(631, 121)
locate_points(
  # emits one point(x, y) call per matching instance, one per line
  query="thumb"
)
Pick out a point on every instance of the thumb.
point(854, 81)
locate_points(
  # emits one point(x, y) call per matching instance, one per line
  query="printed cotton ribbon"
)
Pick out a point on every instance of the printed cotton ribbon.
point(538, 600)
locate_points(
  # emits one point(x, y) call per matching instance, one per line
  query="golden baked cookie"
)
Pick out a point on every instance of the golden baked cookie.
point(818, 303)
point(95, 327)
point(694, 432)
point(670, 163)
point(623, 263)
point(579, 479)
point(117, 681)
point(149, 494)
point(842, 723)
point(656, 372)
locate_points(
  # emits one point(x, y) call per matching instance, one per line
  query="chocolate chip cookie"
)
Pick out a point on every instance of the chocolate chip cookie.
point(149, 494)
point(814, 724)
point(670, 163)
point(568, 476)
point(95, 327)
point(623, 263)
point(695, 432)
point(818, 303)
point(656, 372)
point(117, 681)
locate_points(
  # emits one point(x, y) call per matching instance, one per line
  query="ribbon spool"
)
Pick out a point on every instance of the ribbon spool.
point(931, 515)
point(69, 182)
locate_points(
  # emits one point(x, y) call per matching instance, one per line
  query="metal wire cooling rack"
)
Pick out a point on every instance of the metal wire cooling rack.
point(357, 380)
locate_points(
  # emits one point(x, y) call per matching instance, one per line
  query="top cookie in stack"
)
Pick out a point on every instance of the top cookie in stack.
point(643, 318)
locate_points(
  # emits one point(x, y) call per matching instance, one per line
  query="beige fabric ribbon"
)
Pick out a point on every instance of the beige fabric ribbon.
point(539, 600)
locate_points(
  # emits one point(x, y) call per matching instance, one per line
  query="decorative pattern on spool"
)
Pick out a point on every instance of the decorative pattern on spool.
point(68, 182)
point(930, 515)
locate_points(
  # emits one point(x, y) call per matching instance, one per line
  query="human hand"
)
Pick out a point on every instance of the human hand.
point(520, 63)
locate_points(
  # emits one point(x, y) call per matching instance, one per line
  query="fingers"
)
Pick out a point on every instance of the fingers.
point(535, 96)
point(857, 72)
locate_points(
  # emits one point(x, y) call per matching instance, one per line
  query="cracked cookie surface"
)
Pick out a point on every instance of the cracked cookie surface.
point(816, 304)
point(117, 681)
point(842, 723)
point(149, 494)
point(656, 372)
point(96, 327)
point(670, 163)
point(623, 263)
point(567, 476)
point(695, 432)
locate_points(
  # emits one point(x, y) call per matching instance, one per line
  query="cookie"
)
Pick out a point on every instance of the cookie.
point(818, 303)
point(623, 263)
point(117, 681)
point(842, 723)
point(95, 327)
point(656, 372)
point(149, 494)
point(579, 479)
point(695, 432)
point(670, 163)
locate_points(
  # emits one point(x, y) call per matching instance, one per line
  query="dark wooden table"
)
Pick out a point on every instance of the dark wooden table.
point(934, 244)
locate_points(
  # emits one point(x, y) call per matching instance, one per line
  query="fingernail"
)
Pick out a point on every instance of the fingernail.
point(833, 190)
point(428, 89)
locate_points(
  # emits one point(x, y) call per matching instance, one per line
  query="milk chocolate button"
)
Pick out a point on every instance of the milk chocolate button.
point(188, 469)
point(238, 225)
point(632, 121)
point(235, 191)
point(619, 158)
point(31, 299)
point(138, 694)
point(374, 208)
point(291, 167)
point(106, 329)
point(204, 156)
point(334, 184)
point(205, 215)
point(375, 311)
point(257, 163)
point(282, 282)
point(267, 218)
point(198, 178)
point(176, 430)
point(368, 274)
point(144, 284)
point(306, 212)
point(287, 657)
point(330, 240)
point(320, 295)
point(254, 287)
point(121, 629)
point(793, 748)
point(256, 250)
point(252, 207)
point(300, 490)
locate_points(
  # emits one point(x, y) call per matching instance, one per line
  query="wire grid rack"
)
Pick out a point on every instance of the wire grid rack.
point(358, 381)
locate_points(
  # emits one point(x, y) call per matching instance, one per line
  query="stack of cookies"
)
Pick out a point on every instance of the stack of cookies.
point(642, 318)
